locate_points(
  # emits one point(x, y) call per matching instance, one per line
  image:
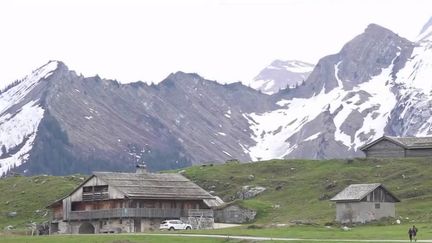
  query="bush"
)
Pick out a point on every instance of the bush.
point(254, 226)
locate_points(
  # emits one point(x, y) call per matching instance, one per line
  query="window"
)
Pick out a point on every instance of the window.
point(377, 206)
point(91, 189)
point(87, 189)
point(91, 193)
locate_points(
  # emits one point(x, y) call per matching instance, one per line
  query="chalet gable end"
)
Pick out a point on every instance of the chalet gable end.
point(97, 189)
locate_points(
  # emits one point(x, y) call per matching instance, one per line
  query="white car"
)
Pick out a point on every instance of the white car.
point(174, 224)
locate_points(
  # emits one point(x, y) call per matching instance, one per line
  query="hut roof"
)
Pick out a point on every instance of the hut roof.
point(214, 202)
point(356, 192)
point(153, 185)
point(406, 142)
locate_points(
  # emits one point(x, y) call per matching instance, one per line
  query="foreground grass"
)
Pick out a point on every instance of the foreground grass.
point(371, 232)
point(144, 239)
point(305, 233)
point(109, 239)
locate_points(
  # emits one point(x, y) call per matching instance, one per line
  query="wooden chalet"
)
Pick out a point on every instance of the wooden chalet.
point(397, 147)
point(360, 203)
point(110, 202)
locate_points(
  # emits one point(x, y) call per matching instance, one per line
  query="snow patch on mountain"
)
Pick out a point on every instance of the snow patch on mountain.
point(15, 94)
point(417, 74)
point(19, 124)
point(415, 87)
point(426, 32)
point(17, 133)
point(340, 84)
point(381, 102)
point(312, 137)
point(292, 66)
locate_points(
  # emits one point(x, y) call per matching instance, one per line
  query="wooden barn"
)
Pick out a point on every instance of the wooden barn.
point(360, 203)
point(110, 202)
point(397, 147)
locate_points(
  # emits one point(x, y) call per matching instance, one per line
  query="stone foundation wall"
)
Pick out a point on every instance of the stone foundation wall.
point(234, 214)
point(150, 224)
point(100, 226)
point(199, 222)
point(126, 225)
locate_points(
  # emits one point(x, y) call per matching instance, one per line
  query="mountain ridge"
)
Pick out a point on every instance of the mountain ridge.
point(90, 123)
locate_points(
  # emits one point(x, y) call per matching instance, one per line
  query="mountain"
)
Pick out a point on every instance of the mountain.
point(379, 83)
point(54, 121)
point(281, 75)
point(57, 122)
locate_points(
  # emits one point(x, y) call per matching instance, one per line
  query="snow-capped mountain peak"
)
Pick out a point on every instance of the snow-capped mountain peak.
point(291, 65)
point(281, 75)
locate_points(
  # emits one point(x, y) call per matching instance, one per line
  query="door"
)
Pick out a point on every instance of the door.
point(137, 225)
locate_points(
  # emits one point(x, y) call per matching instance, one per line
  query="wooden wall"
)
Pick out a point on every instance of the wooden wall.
point(379, 195)
point(389, 149)
point(57, 212)
point(419, 152)
point(385, 148)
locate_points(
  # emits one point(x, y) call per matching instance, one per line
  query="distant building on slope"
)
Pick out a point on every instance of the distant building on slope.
point(361, 203)
point(109, 202)
point(398, 147)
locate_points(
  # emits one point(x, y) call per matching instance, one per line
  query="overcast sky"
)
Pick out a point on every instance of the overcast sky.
point(224, 40)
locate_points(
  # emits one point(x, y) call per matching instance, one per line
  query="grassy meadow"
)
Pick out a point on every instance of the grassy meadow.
point(295, 204)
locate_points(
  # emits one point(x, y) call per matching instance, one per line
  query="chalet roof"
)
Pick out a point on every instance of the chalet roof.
point(406, 142)
point(153, 185)
point(414, 141)
point(356, 192)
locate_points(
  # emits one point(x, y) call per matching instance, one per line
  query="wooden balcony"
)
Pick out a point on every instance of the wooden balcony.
point(164, 213)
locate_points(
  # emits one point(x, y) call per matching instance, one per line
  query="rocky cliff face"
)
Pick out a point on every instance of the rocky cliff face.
point(55, 121)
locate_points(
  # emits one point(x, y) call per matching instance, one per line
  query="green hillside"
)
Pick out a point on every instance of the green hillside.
point(297, 190)
point(28, 197)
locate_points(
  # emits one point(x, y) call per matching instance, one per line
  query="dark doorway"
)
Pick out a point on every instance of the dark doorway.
point(137, 225)
point(54, 228)
point(86, 228)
